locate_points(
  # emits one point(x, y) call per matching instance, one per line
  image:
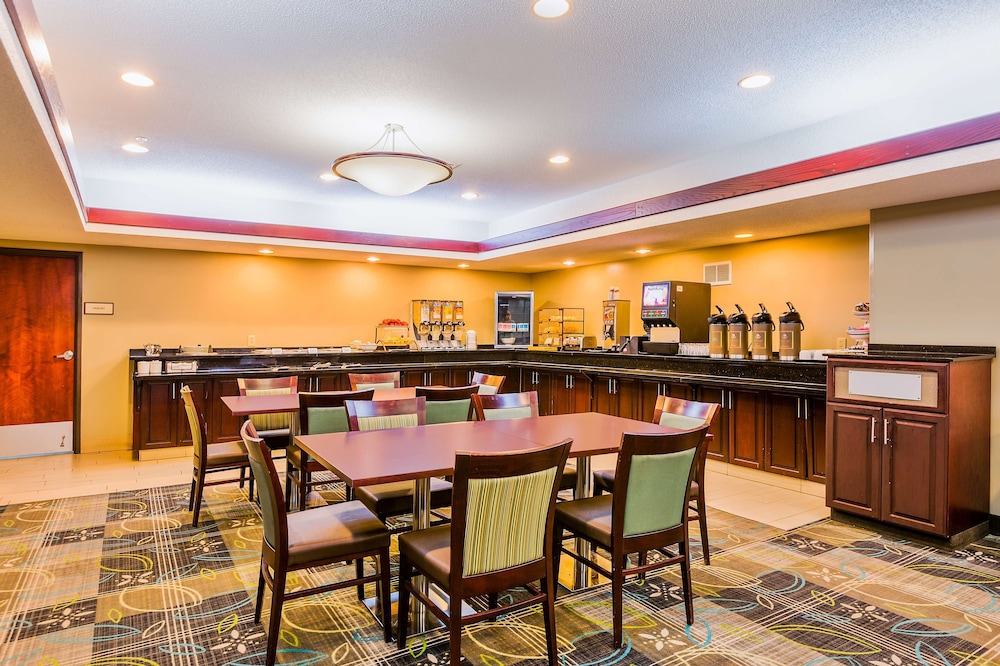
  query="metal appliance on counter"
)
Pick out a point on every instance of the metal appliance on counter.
point(761, 330)
point(790, 329)
point(514, 314)
point(718, 334)
point(438, 324)
point(739, 334)
point(673, 312)
point(615, 326)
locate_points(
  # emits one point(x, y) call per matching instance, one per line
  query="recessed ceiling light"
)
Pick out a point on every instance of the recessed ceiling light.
point(137, 79)
point(559, 159)
point(329, 176)
point(643, 251)
point(743, 236)
point(755, 81)
point(469, 196)
point(549, 9)
point(136, 146)
point(463, 265)
point(569, 262)
point(265, 250)
point(372, 259)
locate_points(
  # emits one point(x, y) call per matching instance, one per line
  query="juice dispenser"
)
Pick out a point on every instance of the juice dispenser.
point(762, 329)
point(739, 334)
point(790, 329)
point(718, 334)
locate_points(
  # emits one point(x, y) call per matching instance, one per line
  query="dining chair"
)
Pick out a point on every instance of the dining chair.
point(373, 380)
point(501, 406)
point(337, 533)
point(210, 458)
point(318, 413)
point(491, 545)
point(488, 383)
point(387, 500)
point(687, 414)
point(648, 513)
point(274, 428)
point(448, 405)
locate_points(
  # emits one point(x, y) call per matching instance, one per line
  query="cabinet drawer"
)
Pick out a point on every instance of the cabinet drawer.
point(916, 386)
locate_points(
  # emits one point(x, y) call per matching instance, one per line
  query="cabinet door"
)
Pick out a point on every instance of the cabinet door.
point(331, 381)
point(222, 425)
point(785, 438)
point(539, 381)
point(202, 396)
point(718, 446)
point(412, 378)
point(815, 415)
point(854, 459)
point(914, 470)
point(746, 428)
point(570, 393)
point(156, 415)
point(616, 396)
point(650, 389)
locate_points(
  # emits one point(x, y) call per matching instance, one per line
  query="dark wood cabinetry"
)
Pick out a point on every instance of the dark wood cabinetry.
point(908, 443)
point(559, 391)
point(617, 396)
point(160, 420)
point(744, 413)
point(426, 377)
point(651, 389)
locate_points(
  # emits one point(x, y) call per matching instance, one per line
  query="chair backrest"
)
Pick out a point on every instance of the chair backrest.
point(361, 381)
point(272, 503)
point(488, 384)
point(196, 424)
point(384, 414)
point(506, 406)
point(654, 471)
point(269, 386)
point(325, 412)
point(489, 531)
point(447, 405)
point(687, 414)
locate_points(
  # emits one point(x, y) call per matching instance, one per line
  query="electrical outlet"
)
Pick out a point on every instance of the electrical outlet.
point(251, 341)
point(841, 343)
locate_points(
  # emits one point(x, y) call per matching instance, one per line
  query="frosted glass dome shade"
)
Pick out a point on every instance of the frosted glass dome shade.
point(392, 174)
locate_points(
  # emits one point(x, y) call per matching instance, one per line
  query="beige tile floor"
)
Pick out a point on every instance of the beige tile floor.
point(775, 500)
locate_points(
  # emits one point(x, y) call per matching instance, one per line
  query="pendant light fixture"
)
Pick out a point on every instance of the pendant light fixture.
point(388, 172)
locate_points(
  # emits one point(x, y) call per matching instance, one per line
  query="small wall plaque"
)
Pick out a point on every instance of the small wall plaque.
point(98, 308)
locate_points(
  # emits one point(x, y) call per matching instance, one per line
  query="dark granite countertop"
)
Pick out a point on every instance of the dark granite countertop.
point(922, 353)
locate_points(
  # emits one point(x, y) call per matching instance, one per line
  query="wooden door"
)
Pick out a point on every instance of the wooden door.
point(914, 470)
point(785, 440)
point(854, 459)
point(718, 446)
point(815, 415)
point(746, 428)
point(39, 308)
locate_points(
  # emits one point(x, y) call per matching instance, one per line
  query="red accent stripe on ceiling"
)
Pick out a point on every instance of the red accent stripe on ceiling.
point(128, 218)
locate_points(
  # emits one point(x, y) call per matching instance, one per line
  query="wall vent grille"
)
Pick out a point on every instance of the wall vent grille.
point(719, 273)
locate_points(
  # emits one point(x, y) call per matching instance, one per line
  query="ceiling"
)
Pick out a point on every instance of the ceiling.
point(255, 99)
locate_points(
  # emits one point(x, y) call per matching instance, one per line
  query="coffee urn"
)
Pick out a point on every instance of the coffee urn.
point(718, 334)
point(790, 329)
point(739, 334)
point(761, 329)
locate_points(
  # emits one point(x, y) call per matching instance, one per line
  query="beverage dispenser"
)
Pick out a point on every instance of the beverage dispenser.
point(762, 329)
point(615, 323)
point(739, 334)
point(718, 334)
point(673, 312)
point(790, 329)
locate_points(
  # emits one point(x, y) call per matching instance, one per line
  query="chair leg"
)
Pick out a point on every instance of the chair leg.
point(383, 564)
point(194, 479)
point(305, 478)
point(260, 594)
point(289, 473)
point(274, 622)
point(643, 558)
point(455, 630)
point(557, 535)
point(403, 605)
point(549, 618)
point(617, 594)
point(199, 490)
point(243, 476)
point(686, 585)
point(493, 599)
point(703, 525)
point(359, 571)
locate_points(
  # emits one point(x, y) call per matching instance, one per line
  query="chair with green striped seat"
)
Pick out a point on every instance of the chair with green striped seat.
point(275, 429)
point(361, 381)
point(647, 513)
point(687, 414)
point(492, 544)
point(318, 413)
point(448, 405)
point(492, 407)
point(387, 500)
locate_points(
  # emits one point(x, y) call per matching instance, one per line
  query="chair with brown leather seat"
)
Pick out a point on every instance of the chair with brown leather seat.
point(387, 500)
point(338, 533)
point(318, 413)
point(448, 405)
point(488, 383)
point(524, 405)
point(687, 414)
point(361, 381)
point(486, 551)
point(210, 458)
point(275, 429)
point(648, 513)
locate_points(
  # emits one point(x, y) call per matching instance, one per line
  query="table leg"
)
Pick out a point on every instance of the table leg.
point(421, 521)
point(583, 489)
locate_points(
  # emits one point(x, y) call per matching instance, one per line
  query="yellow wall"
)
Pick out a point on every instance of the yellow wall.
point(824, 275)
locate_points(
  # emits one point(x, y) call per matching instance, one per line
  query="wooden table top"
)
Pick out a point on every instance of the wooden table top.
point(405, 454)
point(244, 405)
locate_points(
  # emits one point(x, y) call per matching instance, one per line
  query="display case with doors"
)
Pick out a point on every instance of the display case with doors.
point(560, 327)
point(514, 313)
point(908, 443)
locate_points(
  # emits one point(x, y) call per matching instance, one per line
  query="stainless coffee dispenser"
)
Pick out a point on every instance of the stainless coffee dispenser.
point(790, 329)
point(739, 334)
point(761, 330)
point(718, 335)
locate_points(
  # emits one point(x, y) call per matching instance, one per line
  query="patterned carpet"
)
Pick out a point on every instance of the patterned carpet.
point(122, 580)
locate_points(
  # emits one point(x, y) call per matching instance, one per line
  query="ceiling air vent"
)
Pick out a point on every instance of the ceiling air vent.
point(719, 273)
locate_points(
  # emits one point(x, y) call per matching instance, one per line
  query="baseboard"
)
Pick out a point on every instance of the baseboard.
point(994, 524)
point(166, 453)
point(953, 542)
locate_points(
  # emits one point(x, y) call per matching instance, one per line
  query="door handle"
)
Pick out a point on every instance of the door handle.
point(885, 432)
point(66, 355)
point(873, 430)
